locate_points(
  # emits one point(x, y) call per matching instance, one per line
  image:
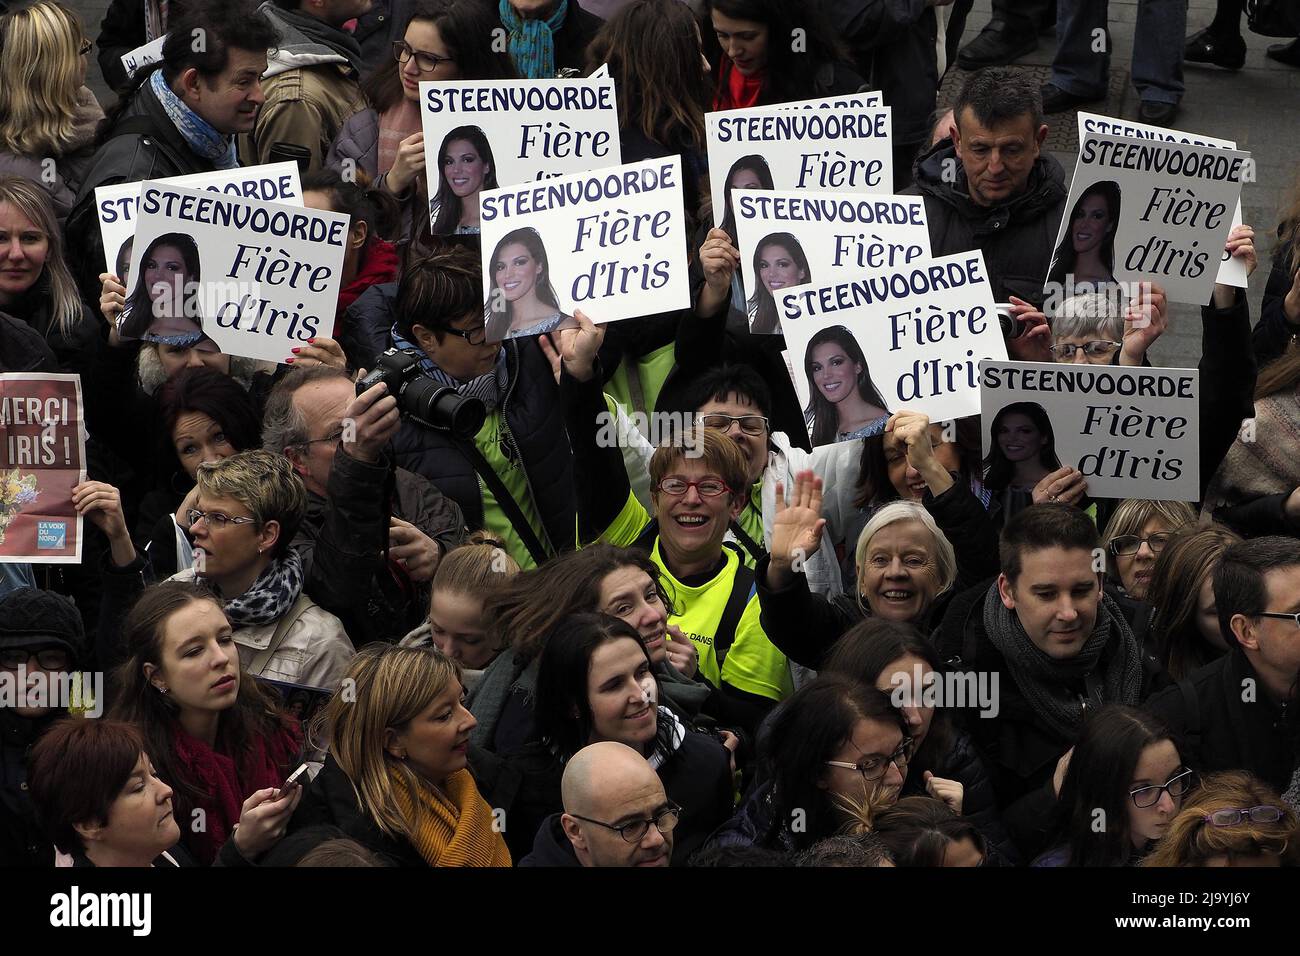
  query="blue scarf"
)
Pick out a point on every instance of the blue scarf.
point(532, 42)
point(199, 135)
point(489, 388)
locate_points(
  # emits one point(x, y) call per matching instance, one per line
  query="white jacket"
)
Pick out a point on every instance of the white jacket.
point(316, 651)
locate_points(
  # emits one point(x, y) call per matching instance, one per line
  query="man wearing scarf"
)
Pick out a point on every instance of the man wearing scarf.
point(1058, 646)
point(181, 118)
point(547, 36)
point(311, 80)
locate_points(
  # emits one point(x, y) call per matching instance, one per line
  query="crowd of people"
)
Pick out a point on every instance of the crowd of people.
point(821, 635)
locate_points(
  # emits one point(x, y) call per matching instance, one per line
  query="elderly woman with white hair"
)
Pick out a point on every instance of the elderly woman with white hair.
point(1089, 328)
point(907, 571)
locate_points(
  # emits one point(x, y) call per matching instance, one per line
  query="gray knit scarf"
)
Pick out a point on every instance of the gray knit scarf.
point(1044, 680)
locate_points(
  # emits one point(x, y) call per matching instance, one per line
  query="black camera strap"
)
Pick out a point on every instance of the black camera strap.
point(507, 502)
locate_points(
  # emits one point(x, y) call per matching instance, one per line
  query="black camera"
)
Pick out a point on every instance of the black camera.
point(422, 398)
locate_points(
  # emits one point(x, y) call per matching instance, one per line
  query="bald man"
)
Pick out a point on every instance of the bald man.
point(607, 786)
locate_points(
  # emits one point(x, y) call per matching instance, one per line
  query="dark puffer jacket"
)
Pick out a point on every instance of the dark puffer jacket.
point(1017, 237)
point(531, 408)
point(330, 801)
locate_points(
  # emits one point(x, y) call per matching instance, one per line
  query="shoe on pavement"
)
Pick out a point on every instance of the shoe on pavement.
point(1157, 114)
point(995, 46)
point(1288, 53)
point(1228, 52)
point(1057, 100)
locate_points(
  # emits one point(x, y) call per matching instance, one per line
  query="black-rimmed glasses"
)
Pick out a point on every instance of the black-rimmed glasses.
point(665, 819)
point(1176, 786)
point(1282, 615)
point(875, 766)
point(425, 62)
point(1132, 544)
point(474, 336)
point(50, 659)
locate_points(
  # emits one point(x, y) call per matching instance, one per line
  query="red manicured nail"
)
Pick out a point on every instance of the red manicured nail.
point(288, 361)
point(295, 351)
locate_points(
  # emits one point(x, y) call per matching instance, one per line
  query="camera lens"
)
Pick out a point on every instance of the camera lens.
point(443, 407)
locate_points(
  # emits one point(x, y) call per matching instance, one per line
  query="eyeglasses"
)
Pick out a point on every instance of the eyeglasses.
point(707, 487)
point(425, 62)
point(1176, 786)
point(1282, 614)
point(215, 519)
point(474, 336)
point(86, 47)
point(749, 424)
point(876, 765)
point(1231, 816)
point(1066, 350)
point(1132, 544)
point(665, 819)
point(328, 438)
point(51, 659)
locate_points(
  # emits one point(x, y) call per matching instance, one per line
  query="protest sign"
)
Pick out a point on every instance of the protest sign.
point(116, 204)
point(142, 56)
point(796, 237)
point(42, 456)
point(1145, 210)
point(1231, 271)
point(866, 98)
point(846, 149)
point(925, 327)
point(610, 242)
point(257, 278)
point(1133, 432)
point(485, 134)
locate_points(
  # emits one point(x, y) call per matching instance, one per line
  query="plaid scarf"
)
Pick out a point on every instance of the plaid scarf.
point(532, 42)
point(198, 134)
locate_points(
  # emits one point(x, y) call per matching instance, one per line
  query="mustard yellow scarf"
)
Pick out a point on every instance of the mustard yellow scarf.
point(451, 828)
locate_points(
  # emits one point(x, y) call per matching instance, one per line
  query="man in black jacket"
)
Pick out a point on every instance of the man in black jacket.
point(373, 535)
point(992, 188)
point(1056, 644)
point(1238, 711)
point(181, 118)
point(611, 795)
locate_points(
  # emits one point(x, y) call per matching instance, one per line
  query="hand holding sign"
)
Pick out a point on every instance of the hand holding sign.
point(1144, 322)
point(913, 430)
point(578, 347)
point(101, 504)
point(1241, 247)
point(719, 259)
point(112, 300)
point(409, 163)
point(1065, 486)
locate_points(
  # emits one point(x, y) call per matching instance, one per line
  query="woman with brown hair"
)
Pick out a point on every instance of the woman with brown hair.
point(1232, 820)
point(212, 734)
point(1279, 316)
point(1186, 622)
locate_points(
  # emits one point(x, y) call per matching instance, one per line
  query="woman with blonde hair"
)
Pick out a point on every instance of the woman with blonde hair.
point(457, 624)
point(35, 284)
point(1137, 532)
point(396, 779)
point(46, 111)
point(1234, 819)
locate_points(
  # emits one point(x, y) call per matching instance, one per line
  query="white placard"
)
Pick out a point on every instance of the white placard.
point(1162, 212)
point(142, 56)
point(1133, 432)
point(116, 204)
point(797, 237)
point(924, 329)
point(611, 243)
point(845, 149)
point(1231, 271)
point(268, 275)
point(497, 133)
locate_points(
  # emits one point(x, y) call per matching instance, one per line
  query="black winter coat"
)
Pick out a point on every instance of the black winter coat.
point(1017, 237)
point(22, 841)
point(1225, 732)
point(697, 777)
point(1019, 750)
point(532, 412)
point(1274, 332)
point(343, 541)
point(121, 31)
point(329, 800)
point(552, 847)
point(23, 349)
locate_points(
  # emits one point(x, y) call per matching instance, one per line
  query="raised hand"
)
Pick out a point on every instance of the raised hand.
point(796, 528)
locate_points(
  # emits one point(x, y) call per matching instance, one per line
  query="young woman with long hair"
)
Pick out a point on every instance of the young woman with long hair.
point(397, 777)
point(1022, 452)
point(443, 40)
point(213, 735)
point(46, 111)
point(465, 168)
point(779, 262)
point(1186, 620)
point(843, 402)
point(521, 299)
point(164, 307)
point(1085, 258)
point(1127, 771)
